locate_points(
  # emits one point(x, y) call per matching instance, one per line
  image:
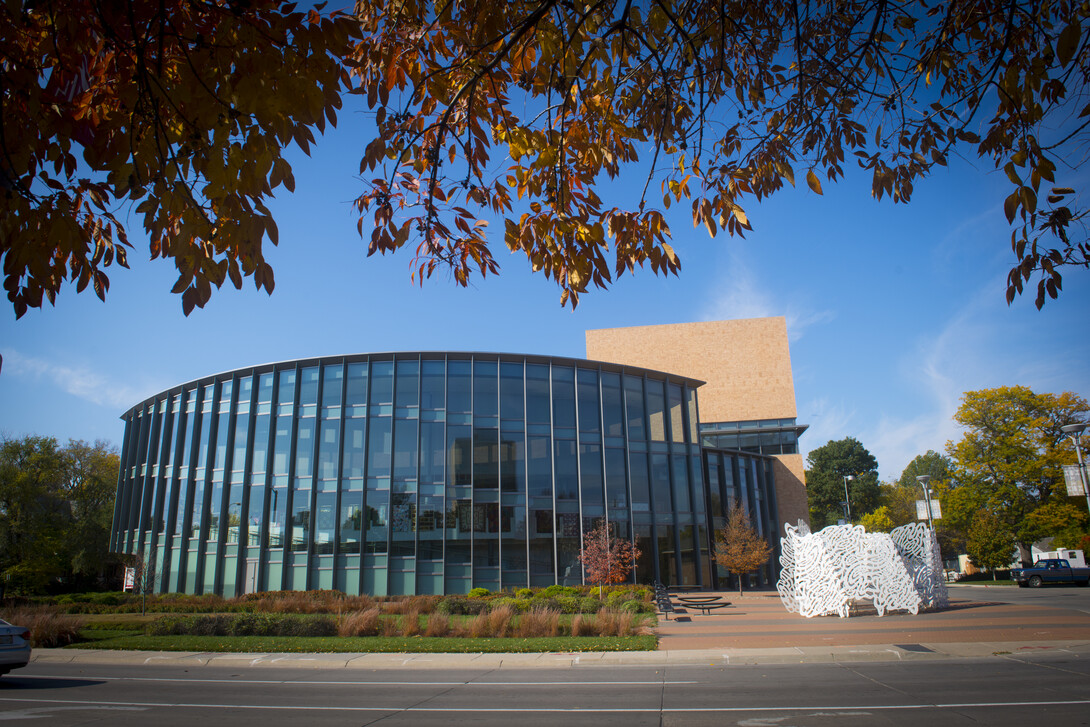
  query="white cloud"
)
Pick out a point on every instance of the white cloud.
point(77, 380)
point(983, 345)
point(742, 296)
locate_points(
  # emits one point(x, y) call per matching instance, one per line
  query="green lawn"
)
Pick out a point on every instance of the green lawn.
point(102, 639)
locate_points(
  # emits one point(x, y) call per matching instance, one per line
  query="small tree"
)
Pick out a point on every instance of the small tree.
point(144, 577)
point(739, 547)
point(991, 543)
point(606, 558)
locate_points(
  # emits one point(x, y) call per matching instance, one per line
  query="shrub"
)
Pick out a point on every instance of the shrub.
point(538, 622)
point(420, 604)
point(583, 626)
point(438, 625)
point(479, 593)
point(615, 623)
point(48, 628)
point(410, 623)
point(524, 593)
point(568, 604)
point(359, 623)
point(517, 605)
point(244, 625)
point(390, 627)
point(637, 607)
point(499, 621)
point(588, 604)
point(460, 606)
point(557, 590)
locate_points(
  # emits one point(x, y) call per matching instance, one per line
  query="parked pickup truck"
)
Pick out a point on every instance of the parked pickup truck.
point(1050, 570)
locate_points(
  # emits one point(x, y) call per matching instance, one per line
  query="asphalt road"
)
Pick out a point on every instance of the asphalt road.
point(1050, 689)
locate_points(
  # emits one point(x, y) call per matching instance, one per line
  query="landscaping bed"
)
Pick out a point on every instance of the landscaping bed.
point(557, 618)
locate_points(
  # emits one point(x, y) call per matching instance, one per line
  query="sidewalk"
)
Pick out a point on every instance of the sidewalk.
point(756, 629)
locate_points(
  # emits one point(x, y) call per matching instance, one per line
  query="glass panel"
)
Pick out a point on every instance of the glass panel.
point(486, 458)
point(300, 521)
point(432, 451)
point(567, 549)
point(308, 386)
point(459, 386)
point(325, 522)
point(587, 383)
point(567, 473)
point(616, 489)
point(382, 382)
point(378, 506)
point(511, 391)
point(612, 412)
point(667, 552)
point(354, 447)
point(656, 414)
point(677, 420)
point(660, 483)
point(432, 385)
point(379, 447)
point(261, 443)
point(331, 385)
point(405, 459)
point(641, 482)
point(512, 462)
point(277, 517)
point(329, 449)
point(540, 467)
point(355, 393)
point(563, 397)
point(538, 403)
point(459, 456)
point(264, 388)
point(633, 399)
point(590, 480)
point(681, 484)
point(485, 389)
point(351, 522)
point(408, 379)
point(304, 448)
point(403, 523)
point(693, 420)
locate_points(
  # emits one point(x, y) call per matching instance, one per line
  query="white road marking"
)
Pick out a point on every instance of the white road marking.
point(40, 712)
point(298, 682)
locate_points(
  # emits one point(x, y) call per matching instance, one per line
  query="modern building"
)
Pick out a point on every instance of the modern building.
point(425, 472)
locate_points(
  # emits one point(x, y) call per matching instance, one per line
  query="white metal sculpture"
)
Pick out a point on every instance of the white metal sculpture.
point(825, 572)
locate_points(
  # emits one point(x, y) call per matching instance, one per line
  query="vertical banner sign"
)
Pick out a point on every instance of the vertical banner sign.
point(1073, 481)
point(130, 579)
point(921, 510)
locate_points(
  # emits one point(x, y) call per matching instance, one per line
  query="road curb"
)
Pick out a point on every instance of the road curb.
point(703, 657)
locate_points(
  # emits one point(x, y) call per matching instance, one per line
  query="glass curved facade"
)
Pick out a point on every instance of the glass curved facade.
point(420, 473)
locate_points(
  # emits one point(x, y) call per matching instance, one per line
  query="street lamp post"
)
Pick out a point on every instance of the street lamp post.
point(1075, 432)
point(924, 480)
point(847, 500)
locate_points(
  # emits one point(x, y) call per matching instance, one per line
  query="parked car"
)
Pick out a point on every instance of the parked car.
point(1050, 570)
point(14, 647)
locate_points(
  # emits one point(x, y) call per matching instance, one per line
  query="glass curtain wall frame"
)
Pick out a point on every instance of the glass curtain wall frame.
point(189, 488)
point(748, 479)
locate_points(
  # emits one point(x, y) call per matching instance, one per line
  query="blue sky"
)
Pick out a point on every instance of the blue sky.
point(893, 311)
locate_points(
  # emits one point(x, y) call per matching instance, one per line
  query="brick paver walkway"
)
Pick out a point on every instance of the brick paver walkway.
point(761, 621)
